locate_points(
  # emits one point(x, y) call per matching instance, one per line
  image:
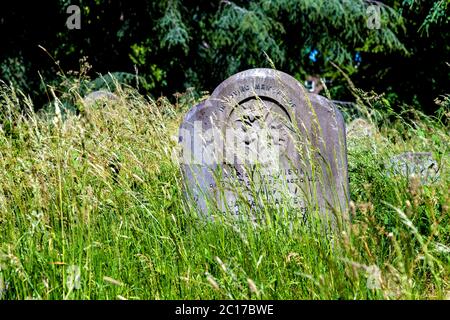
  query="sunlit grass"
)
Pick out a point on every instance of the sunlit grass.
point(92, 207)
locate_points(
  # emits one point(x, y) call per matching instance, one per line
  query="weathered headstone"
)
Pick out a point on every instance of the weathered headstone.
point(261, 138)
point(95, 96)
point(419, 164)
point(360, 128)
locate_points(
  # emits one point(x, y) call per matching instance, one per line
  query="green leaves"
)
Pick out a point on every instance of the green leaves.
point(439, 14)
point(172, 28)
point(177, 44)
point(246, 34)
point(283, 29)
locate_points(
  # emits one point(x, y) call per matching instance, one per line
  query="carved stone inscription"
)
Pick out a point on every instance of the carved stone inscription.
point(260, 136)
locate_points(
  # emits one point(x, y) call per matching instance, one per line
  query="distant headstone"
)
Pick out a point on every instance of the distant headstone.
point(419, 164)
point(360, 128)
point(261, 138)
point(95, 96)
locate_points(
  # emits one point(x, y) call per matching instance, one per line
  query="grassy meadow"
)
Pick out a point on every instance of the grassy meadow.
point(92, 207)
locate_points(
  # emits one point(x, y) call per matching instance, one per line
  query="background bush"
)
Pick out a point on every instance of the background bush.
point(173, 45)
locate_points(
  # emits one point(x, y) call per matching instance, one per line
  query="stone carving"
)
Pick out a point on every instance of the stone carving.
point(419, 164)
point(261, 139)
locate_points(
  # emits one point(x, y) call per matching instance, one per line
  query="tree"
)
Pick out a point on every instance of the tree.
point(174, 44)
point(423, 74)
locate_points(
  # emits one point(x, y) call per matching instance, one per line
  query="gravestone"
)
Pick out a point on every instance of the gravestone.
point(100, 95)
point(360, 128)
point(419, 164)
point(262, 139)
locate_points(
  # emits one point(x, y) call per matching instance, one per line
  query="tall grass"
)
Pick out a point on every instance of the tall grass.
point(92, 207)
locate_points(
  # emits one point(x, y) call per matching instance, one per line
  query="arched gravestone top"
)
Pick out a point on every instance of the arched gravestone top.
point(95, 96)
point(294, 139)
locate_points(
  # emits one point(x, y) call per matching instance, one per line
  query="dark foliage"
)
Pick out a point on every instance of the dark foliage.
point(173, 45)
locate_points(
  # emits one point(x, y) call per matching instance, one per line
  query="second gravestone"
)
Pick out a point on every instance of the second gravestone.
point(261, 140)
